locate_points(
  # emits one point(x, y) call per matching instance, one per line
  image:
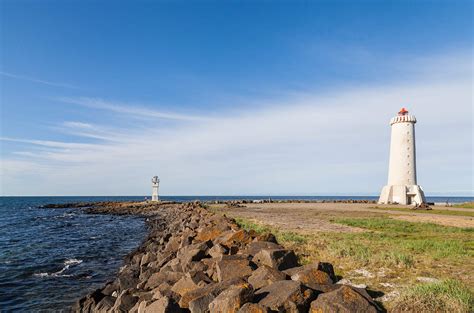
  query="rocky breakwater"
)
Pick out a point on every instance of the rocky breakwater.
point(197, 261)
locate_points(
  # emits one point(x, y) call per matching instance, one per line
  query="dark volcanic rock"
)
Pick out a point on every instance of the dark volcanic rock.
point(201, 304)
point(253, 308)
point(197, 261)
point(279, 259)
point(265, 276)
point(285, 296)
point(322, 266)
point(344, 299)
point(233, 266)
point(255, 247)
point(312, 276)
point(232, 299)
point(212, 289)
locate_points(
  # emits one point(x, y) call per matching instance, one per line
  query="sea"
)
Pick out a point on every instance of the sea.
point(49, 258)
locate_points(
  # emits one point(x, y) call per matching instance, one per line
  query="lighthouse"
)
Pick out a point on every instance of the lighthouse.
point(155, 183)
point(402, 186)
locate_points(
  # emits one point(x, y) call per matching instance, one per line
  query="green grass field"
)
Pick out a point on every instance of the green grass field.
point(433, 211)
point(401, 250)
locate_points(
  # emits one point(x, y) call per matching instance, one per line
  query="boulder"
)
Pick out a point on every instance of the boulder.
point(163, 290)
point(253, 308)
point(89, 302)
point(214, 289)
point(232, 299)
point(345, 299)
point(279, 259)
point(255, 246)
point(110, 287)
point(267, 237)
point(194, 252)
point(173, 244)
point(184, 285)
point(229, 238)
point(264, 276)
point(285, 296)
point(128, 278)
point(163, 305)
point(201, 304)
point(211, 233)
point(233, 266)
point(105, 304)
point(169, 277)
point(322, 266)
point(312, 276)
point(217, 251)
point(125, 301)
point(147, 258)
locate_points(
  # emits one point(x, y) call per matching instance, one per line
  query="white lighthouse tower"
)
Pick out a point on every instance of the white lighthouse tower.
point(155, 183)
point(402, 187)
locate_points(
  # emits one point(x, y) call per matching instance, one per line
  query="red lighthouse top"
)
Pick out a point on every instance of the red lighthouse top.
point(403, 111)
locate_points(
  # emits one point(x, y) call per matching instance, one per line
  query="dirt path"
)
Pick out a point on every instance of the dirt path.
point(311, 217)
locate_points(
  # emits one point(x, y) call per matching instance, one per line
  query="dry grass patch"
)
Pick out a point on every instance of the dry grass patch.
point(444, 296)
point(466, 205)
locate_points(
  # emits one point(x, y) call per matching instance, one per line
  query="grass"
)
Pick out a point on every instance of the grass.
point(466, 205)
point(282, 236)
point(434, 211)
point(444, 296)
point(401, 250)
point(411, 240)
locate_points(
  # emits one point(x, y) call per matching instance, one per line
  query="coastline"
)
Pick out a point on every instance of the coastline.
point(195, 260)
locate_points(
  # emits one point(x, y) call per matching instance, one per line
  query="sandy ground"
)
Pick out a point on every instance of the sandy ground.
point(311, 217)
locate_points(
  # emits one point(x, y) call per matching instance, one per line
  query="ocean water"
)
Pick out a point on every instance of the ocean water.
point(49, 258)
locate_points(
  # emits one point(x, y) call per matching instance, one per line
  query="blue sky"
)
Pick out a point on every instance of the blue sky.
point(231, 98)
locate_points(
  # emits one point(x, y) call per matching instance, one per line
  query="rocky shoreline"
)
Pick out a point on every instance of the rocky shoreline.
point(196, 261)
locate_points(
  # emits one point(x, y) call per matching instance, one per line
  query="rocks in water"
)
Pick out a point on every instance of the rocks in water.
point(197, 261)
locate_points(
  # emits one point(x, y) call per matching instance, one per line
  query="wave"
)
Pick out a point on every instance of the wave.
point(67, 264)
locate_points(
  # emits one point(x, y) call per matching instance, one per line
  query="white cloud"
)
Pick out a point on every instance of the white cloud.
point(337, 142)
point(35, 80)
point(132, 110)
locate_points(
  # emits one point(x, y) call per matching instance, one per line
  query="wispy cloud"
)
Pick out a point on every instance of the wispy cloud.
point(48, 143)
point(81, 129)
point(131, 110)
point(35, 80)
point(336, 142)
